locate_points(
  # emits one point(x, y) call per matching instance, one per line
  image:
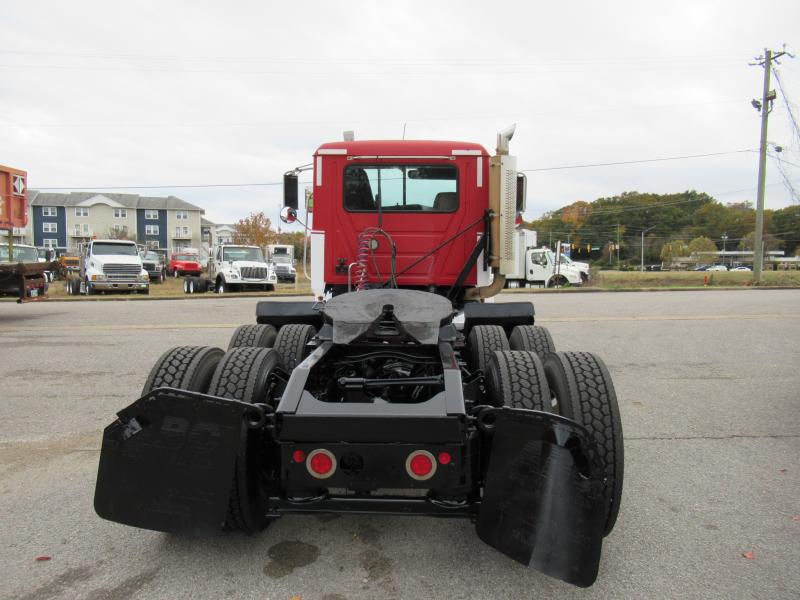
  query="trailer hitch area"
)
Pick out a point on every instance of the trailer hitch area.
point(542, 502)
point(168, 461)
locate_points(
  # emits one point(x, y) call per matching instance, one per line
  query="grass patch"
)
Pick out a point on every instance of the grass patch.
point(673, 279)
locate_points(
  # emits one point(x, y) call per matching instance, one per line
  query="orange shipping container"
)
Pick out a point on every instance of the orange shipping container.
point(13, 198)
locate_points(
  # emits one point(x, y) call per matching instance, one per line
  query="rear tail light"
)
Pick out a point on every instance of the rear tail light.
point(321, 463)
point(421, 465)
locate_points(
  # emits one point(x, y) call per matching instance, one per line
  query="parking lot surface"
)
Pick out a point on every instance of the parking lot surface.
point(709, 391)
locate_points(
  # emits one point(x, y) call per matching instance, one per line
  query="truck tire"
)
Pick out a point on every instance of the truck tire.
point(533, 339)
point(191, 283)
point(557, 281)
point(186, 285)
point(90, 291)
point(185, 368)
point(255, 336)
point(290, 344)
point(482, 342)
point(243, 374)
point(582, 387)
point(516, 379)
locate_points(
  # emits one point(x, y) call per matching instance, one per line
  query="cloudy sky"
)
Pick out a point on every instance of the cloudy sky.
point(126, 95)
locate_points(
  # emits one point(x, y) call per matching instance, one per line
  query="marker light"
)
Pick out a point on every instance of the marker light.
point(321, 463)
point(420, 465)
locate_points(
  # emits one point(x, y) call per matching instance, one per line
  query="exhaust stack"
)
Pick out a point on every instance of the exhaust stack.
point(503, 207)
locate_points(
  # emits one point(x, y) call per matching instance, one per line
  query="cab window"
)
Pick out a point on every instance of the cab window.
point(401, 188)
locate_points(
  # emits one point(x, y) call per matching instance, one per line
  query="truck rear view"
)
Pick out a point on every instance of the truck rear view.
point(407, 396)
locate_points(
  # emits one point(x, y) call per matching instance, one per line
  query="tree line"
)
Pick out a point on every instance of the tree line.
point(673, 225)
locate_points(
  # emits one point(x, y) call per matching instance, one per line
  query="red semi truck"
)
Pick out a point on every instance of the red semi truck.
point(21, 278)
point(408, 396)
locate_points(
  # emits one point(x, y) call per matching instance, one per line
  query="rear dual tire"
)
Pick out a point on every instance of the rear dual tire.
point(582, 390)
point(257, 336)
point(291, 344)
point(483, 341)
point(241, 374)
point(244, 374)
point(194, 285)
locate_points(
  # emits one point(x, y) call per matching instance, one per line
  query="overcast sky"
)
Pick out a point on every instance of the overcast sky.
point(191, 93)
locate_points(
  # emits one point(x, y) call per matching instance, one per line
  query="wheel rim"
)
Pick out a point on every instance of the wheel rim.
point(191, 287)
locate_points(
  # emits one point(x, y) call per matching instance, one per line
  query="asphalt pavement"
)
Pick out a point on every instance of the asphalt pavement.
point(709, 390)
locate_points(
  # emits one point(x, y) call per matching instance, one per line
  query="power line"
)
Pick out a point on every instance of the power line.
point(633, 162)
point(273, 183)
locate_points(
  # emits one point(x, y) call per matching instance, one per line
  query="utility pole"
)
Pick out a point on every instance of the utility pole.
point(765, 107)
point(617, 245)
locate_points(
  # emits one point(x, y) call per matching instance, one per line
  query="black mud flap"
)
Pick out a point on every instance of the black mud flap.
point(167, 463)
point(542, 501)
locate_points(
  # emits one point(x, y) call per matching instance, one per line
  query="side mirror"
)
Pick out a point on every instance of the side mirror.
point(289, 214)
point(290, 190)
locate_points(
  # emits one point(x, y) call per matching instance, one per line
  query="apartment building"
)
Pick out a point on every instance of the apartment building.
point(62, 221)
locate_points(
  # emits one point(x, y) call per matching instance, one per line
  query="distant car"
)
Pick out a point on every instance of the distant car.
point(701, 268)
point(717, 268)
point(185, 264)
point(741, 268)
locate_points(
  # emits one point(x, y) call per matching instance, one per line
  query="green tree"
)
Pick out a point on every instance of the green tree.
point(771, 243)
point(674, 250)
point(785, 225)
point(702, 249)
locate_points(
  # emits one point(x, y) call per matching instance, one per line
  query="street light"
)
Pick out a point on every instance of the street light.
point(643, 232)
point(724, 239)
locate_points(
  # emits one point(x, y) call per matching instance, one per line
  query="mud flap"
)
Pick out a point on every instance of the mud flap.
point(542, 500)
point(167, 463)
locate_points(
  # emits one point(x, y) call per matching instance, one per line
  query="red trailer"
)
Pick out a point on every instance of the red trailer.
point(13, 198)
point(21, 275)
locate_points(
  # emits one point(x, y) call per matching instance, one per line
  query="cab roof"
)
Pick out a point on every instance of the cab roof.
point(400, 148)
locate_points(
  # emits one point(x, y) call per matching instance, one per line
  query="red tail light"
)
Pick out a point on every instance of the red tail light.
point(299, 456)
point(321, 463)
point(421, 465)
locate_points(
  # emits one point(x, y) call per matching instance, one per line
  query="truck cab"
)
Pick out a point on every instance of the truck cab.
point(238, 267)
point(112, 266)
point(282, 258)
point(410, 214)
point(541, 269)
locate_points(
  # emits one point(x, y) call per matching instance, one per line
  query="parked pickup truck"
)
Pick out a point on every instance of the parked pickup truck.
point(110, 266)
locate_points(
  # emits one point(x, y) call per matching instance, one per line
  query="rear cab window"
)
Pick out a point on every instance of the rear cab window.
point(401, 188)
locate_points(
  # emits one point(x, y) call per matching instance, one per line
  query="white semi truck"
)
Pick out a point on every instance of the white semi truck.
point(110, 266)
